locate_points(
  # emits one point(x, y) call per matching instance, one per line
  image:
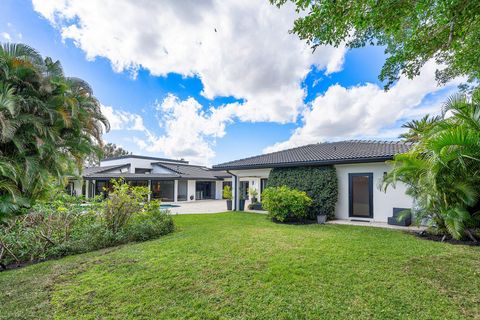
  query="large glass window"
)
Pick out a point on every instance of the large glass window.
point(138, 183)
point(204, 190)
point(182, 190)
point(103, 187)
point(263, 184)
point(163, 190)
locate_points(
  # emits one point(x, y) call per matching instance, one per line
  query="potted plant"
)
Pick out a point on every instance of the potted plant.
point(253, 195)
point(321, 218)
point(241, 203)
point(227, 194)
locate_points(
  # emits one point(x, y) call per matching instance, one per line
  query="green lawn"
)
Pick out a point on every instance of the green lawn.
point(242, 266)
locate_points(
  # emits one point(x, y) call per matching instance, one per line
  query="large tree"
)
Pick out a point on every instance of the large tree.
point(49, 123)
point(412, 31)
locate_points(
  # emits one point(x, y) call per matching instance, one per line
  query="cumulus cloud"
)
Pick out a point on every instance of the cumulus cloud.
point(237, 48)
point(190, 132)
point(366, 110)
point(123, 120)
point(6, 36)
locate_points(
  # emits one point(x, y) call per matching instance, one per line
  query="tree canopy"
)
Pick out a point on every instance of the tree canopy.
point(49, 124)
point(412, 31)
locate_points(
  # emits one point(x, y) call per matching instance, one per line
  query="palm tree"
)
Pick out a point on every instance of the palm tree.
point(442, 170)
point(47, 122)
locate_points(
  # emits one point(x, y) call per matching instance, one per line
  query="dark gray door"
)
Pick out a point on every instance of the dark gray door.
point(360, 195)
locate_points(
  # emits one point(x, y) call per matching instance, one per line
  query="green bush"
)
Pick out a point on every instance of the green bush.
point(227, 192)
point(122, 203)
point(320, 184)
point(67, 225)
point(151, 223)
point(283, 203)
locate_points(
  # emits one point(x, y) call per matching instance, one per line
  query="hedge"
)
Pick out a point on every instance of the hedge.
point(320, 184)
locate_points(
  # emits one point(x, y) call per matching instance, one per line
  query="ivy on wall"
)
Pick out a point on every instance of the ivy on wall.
point(320, 184)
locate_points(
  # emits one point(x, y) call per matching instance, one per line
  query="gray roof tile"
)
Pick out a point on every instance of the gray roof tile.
point(322, 154)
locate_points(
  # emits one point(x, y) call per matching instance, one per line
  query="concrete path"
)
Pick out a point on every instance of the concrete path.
point(376, 224)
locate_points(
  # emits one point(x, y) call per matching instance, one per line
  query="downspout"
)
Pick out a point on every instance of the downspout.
point(235, 195)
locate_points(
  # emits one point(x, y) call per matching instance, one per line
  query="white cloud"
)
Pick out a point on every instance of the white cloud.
point(123, 120)
point(6, 36)
point(237, 48)
point(190, 132)
point(366, 111)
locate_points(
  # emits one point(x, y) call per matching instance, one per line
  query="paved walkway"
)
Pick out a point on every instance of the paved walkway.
point(376, 225)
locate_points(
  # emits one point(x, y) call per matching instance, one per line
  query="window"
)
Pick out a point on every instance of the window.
point(163, 190)
point(263, 184)
point(138, 183)
point(142, 170)
point(182, 190)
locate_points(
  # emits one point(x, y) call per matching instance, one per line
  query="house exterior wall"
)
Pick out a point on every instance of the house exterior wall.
point(134, 163)
point(218, 190)
point(383, 202)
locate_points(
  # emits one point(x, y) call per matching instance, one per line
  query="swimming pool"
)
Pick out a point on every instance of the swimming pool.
point(168, 206)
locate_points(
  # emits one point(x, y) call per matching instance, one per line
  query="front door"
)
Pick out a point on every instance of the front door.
point(360, 195)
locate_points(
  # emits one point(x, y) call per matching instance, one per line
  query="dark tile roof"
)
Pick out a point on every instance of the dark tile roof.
point(194, 172)
point(133, 176)
point(353, 151)
point(145, 158)
point(92, 170)
point(179, 171)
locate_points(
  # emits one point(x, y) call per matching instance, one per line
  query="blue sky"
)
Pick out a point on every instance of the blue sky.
point(216, 81)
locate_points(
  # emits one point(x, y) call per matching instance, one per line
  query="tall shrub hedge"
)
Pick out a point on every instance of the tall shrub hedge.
point(320, 184)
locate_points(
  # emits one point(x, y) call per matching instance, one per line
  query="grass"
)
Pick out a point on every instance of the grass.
point(242, 266)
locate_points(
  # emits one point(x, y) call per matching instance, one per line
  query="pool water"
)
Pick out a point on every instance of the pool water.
point(167, 206)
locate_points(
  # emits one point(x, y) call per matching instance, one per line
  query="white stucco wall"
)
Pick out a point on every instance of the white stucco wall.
point(218, 189)
point(191, 190)
point(383, 202)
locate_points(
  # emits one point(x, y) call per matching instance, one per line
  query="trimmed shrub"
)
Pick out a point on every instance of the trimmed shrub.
point(283, 203)
point(320, 184)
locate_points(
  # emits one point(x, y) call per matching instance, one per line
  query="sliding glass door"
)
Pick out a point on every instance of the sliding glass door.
point(360, 195)
point(163, 190)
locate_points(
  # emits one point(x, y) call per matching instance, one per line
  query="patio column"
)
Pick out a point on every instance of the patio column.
point(175, 190)
point(235, 192)
point(149, 190)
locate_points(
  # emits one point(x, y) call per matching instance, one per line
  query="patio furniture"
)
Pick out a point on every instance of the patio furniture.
point(405, 222)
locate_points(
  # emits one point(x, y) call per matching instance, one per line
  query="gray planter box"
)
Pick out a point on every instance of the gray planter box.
point(321, 219)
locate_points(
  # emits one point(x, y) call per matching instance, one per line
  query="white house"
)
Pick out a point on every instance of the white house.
point(169, 180)
point(360, 166)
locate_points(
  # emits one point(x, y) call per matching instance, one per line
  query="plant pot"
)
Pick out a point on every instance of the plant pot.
point(241, 205)
point(254, 200)
point(322, 218)
point(229, 204)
